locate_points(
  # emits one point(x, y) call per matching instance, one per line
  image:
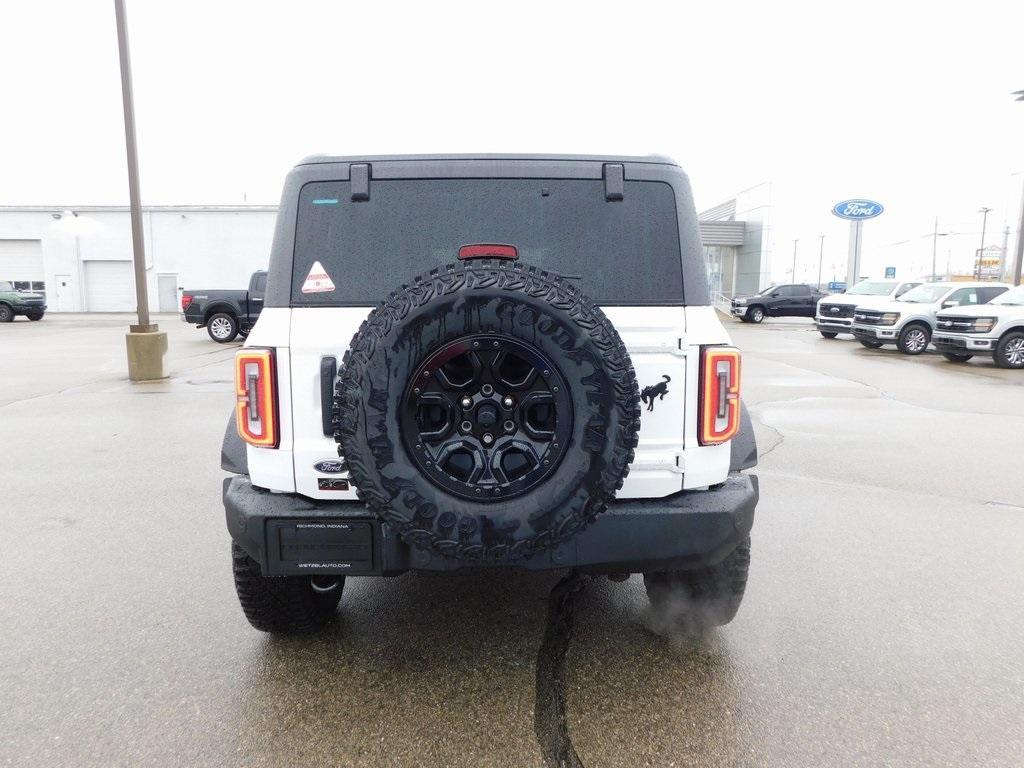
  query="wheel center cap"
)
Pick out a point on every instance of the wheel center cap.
point(487, 416)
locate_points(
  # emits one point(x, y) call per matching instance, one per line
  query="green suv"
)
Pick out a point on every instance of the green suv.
point(14, 302)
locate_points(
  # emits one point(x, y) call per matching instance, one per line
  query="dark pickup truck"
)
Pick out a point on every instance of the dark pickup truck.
point(797, 300)
point(226, 314)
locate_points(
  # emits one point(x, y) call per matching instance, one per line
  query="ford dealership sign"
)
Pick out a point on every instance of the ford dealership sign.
point(857, 210)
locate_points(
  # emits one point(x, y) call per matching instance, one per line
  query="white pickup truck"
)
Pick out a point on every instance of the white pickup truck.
point(834, 314)
point(909, 321)
point(996, 328)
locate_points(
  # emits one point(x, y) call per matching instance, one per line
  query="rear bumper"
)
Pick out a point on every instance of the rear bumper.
point(691, 529)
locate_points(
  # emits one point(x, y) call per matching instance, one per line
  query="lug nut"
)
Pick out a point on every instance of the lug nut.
point(510, 425)
point(507, 402)
point(466, 402)
point(488, 438)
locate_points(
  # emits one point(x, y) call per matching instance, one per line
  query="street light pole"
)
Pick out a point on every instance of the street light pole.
point(147, 345)
point(981, 251)
point(821, 256)
point(794, 259)
point(935, 245)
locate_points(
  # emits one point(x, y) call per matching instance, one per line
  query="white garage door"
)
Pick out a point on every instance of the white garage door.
point(109, 286)
point(21, 260)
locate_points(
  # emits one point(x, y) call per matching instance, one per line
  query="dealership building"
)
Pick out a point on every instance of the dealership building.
point(81, 256)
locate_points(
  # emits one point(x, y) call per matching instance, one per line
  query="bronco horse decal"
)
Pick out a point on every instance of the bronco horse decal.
point(658, 390)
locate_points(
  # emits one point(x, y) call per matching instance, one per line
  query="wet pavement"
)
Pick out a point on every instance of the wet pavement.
point(881, 626)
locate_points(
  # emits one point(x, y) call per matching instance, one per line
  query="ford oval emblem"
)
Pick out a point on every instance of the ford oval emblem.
point(857, 210)
point(330, 466)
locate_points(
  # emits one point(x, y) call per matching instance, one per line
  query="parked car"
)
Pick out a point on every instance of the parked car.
point(14, 302)
point(487, 412)
point(909, 321)
point(835, 312)
point(996, 327)
point(795, 300)
point(225, 314)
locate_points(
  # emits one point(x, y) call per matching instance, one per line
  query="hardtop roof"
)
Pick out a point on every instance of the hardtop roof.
point(504, 157)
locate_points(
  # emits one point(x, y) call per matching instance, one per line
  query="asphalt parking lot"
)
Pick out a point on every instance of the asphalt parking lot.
point(882, 623)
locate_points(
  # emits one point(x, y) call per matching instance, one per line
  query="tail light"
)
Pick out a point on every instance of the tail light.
point(256, 394)
point(719, 394)
point(186, 301)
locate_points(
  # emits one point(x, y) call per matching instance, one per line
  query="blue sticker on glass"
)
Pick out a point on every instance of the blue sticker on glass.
point(326, 201)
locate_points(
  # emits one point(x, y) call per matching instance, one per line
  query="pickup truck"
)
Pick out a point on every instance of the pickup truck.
point(797, 300)
point(909, 321)
point(835, 313)
point(996, 328)
point(225, 314)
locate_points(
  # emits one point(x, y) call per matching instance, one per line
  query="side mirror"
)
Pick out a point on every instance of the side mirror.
point(775, 295)
point(948, 304)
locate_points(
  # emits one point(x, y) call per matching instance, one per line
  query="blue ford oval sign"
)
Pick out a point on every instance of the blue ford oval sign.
point(857, 210)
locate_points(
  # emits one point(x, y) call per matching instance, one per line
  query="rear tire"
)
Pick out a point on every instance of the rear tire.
point(222, 327)
point(694, 601)
point(956, 357)
point(1009, 352)
point(287, 605)
point(914, 339)
point(6, 314)
point(870, 344)
point(828, 334)
point(755, 314)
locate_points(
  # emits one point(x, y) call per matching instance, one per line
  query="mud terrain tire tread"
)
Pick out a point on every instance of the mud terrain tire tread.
point(514, 278)
point(702, 598)
point(284, 605)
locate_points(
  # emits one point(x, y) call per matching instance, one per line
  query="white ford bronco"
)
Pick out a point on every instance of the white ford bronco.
point(487, 361)
point(996, 328)
point(909, 321)
point(834, 314)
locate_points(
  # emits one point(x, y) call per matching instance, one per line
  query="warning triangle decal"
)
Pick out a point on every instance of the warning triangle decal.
point(318, 281)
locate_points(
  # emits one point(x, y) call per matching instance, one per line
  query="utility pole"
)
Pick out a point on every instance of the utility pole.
point(794, 259)
point(981, 251)
point(821, 256)
point(147, 345)
point(935, 245)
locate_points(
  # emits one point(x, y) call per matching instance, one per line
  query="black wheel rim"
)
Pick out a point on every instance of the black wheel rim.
point(486, 417)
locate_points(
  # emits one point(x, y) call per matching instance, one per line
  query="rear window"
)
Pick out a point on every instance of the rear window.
point(618, 252)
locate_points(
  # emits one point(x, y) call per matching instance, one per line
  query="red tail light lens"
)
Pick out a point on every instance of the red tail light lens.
point(719, 394)
point(186, 301)
point(256, 395)
point(488, 251)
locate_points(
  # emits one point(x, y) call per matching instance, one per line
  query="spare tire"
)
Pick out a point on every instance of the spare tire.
point(487, 411)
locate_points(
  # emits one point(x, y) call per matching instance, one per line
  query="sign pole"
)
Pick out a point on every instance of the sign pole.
point(853, 257)
point(856, 212)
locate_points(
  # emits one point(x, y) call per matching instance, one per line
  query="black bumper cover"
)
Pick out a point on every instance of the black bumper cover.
point(690, 529)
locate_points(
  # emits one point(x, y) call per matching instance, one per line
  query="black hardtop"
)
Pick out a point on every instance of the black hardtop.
point(363, 170)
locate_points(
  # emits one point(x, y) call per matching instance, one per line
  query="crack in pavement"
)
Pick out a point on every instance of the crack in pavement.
point(549, 718)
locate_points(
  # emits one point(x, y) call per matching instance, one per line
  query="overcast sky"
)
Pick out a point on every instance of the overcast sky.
point(908, 104)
